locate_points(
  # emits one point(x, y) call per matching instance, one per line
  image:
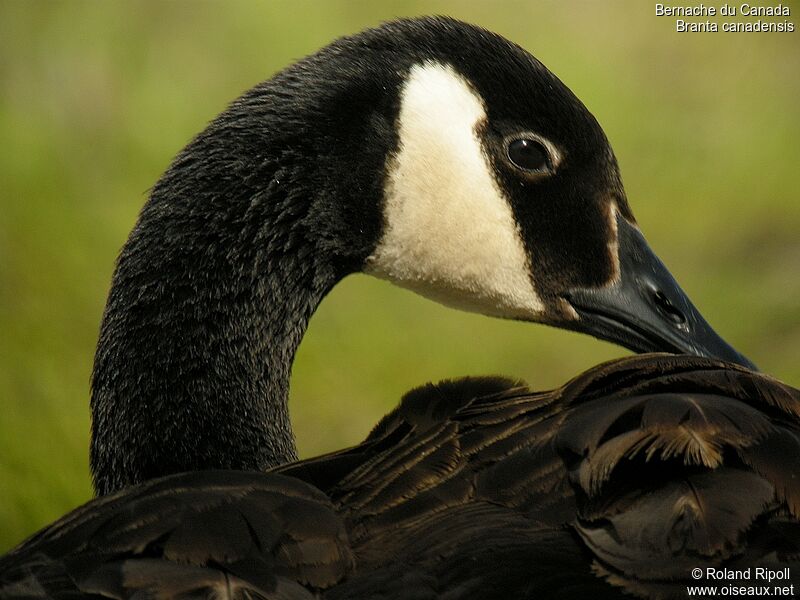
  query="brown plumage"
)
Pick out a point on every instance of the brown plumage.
point(623, 480)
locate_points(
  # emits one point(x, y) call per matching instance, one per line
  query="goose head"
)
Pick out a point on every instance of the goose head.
point(502, 195)
point(448, 160)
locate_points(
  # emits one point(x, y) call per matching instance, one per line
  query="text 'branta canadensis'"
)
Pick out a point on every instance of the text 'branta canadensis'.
point(443, 158)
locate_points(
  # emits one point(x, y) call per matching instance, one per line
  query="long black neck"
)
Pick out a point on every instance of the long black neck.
point(242, 237)
point(209, 302)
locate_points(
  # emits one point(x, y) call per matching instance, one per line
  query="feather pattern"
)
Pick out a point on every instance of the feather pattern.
point(619, 482)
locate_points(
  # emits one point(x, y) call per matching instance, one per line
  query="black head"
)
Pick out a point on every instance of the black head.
point(502, 195)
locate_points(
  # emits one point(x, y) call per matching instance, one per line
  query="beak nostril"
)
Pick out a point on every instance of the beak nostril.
point(667, 308)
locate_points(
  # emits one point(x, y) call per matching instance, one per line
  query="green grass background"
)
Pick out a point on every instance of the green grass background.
point(96, 97)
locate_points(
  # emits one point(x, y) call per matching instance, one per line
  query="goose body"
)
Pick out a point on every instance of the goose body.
point(619, 483)
point(447, 160)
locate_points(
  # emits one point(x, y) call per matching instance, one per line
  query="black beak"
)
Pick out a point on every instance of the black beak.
point(646, 310)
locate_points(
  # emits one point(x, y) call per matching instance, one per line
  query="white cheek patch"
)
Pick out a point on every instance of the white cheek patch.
point(449, 232)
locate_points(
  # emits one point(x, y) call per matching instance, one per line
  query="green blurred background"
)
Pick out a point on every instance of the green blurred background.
point(96, 98)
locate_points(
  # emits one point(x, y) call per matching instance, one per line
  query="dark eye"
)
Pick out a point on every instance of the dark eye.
point(528, 154)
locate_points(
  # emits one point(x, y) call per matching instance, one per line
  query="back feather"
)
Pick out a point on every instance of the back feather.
point(618, 483)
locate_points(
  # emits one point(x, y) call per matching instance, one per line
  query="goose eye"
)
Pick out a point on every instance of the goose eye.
point(529, 155)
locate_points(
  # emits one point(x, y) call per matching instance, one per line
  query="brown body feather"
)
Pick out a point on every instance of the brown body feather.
point(619, 482)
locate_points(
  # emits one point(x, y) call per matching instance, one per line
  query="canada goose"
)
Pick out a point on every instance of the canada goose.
point(448, 160)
